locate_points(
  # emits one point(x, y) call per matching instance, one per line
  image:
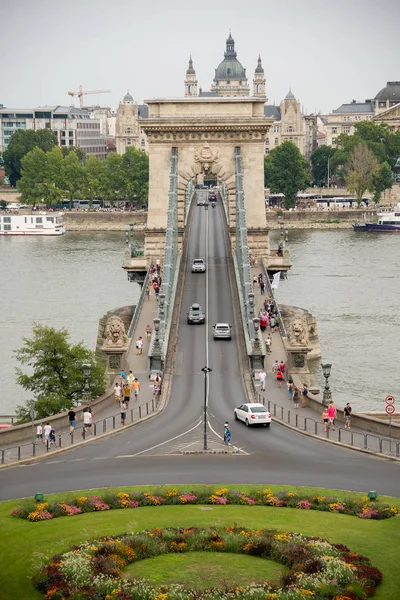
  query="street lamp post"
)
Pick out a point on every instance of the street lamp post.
point(86, 370)
point(206, 370)
point(327, 394)
point(162, 305)
point(250, 296)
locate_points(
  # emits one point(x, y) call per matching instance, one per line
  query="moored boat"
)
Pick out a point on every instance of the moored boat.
point(39, 223)
point(387, 222)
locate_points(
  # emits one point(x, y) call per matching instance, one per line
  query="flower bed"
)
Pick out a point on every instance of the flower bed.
point(362, 508)
point(316, 568)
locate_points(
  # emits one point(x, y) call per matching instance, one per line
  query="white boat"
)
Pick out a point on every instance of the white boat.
point(40, 223)
point(388, 221)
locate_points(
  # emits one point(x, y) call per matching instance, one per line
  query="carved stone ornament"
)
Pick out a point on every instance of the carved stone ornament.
point(115, 332)
point(206, 155)
point(298, 332)
point(115, 362)
point(298, 360)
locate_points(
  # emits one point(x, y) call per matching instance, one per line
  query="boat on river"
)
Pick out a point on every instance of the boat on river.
point(38, 223)
point(387, 222)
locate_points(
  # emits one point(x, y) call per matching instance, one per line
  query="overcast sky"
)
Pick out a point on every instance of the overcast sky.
point(327, 52)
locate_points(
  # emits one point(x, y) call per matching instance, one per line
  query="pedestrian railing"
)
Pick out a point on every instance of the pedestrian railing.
point(357, 439)
point(139, 305)
point(63, 440)
point(272, 296)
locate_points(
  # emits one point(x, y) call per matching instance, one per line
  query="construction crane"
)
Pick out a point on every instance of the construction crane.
point(81, 93)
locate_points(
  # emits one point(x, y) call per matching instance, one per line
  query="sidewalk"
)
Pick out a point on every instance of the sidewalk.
point(108, 418)
point(308, 419)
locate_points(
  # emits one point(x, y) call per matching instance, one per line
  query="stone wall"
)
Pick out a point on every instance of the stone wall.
point(104, 221)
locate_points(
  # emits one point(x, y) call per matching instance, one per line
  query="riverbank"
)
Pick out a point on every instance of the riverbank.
point(304, 219)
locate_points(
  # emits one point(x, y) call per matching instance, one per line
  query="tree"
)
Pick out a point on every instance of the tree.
point(22, 142)
point(55, 374)
point(381, 181)
point(320, 159)
point(286, 172)
point(94, 173)
point(360, 169)
point(73, 178)
point(81, 154)
point(42, 177)
point(135, 175)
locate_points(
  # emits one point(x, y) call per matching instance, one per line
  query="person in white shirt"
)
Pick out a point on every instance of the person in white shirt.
point(117, 394)
point(87, 420)
point(39, 433)
point(47, 429)
point(262, 377)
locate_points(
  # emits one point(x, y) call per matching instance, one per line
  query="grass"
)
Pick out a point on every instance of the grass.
point(205, 569)
point(23, 545)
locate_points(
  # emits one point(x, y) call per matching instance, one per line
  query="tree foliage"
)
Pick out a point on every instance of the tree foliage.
point(55, 375)
point(320, 159)
point(22, 142)
point(52, 176)
point(360, 168)
point(381, 181)
point(286, 172)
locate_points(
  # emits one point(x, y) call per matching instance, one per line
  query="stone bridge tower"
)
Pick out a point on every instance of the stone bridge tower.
point(205, 132)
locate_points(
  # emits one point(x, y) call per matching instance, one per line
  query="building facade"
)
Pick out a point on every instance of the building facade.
point(73, 127)
point(128, 132)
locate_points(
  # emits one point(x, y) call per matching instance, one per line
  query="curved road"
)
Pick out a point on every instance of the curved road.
point(149, 453)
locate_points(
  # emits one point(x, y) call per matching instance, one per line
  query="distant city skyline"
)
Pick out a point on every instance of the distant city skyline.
point(327, 55)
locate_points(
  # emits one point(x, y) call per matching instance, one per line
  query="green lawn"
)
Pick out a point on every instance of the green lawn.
point(24, 545)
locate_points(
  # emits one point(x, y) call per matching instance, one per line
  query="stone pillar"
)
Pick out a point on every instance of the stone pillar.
point(297, 362)
point(114, 360)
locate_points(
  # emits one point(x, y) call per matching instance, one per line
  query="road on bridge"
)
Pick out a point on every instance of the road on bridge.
point(151, 452)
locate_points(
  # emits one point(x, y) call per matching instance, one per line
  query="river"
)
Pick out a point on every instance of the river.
point(348, 281)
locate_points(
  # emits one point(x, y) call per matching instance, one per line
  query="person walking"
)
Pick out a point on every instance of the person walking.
point(279, 378)
point(148, 332)
point(71, 418)
point(304, 396)
point(123, 412)
point(272, 323)
point(275, 367)
point(52, 437)
point(47, 429)
point(263, 321)
point(87, 420)
point(227, 433)
point(282, 368)
point(127, 394)
point(262, 376)
point(268, 343)
point(262, 287)
point(325, 419)
point(140, 345)
point(289, 386)
point(331, 414)
point(347, 416)
point(117, 394)
point(136, 388)
point(296, 397)
point(39, 433)
point(130, 379)
point(122, 377)
point(147, 293)
point(157, 386)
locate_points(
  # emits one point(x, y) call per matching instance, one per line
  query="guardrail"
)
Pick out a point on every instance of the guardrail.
point(8, 419)
point(63, 440)
point(272, 295)
point(138, 307)
point(360, 440)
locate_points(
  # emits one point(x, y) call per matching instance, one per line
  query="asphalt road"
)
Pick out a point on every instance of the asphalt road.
point(150, 453)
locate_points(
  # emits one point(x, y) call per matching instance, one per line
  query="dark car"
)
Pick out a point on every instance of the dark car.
point(196, 315)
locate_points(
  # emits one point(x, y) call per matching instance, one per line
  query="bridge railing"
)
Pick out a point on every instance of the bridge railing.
point(138, 307)
point(189, 196)
point(356, 439)
point(272, 296)
point(162, 323)
point(63, 440)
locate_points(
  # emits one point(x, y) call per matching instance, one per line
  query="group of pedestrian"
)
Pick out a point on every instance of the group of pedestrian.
point(329, 416)
point(268, 316)
point(156, 281)
point(46, 434)
point(260, 282)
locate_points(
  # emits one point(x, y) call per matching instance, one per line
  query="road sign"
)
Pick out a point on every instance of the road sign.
point(390, 409)
point(389, 399)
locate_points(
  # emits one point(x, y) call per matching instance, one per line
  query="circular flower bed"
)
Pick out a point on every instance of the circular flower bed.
point(317, 569)
point(360, 507)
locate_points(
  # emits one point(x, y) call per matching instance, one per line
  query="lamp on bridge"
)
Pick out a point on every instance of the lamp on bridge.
point(86, 370)
point(155, 356)
point(131, 226)
point(327, 394)
point(250, 296)
point(162, 305)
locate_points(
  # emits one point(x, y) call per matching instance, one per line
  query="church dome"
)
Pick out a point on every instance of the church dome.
point(128, 97)
point(290, 95)
point(391, 92)
point(230, 67)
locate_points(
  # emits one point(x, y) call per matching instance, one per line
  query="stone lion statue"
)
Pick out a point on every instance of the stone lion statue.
point(115, 331)
point(298, 332)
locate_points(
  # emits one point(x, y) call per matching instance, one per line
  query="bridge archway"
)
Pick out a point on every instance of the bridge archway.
point(205, 132)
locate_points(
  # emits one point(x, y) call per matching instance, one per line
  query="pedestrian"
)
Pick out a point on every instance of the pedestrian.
point(117, 393)
point(127, 394)
point(325, 419)
point(289, 387)
point(136, 388)
point(268, 343)
point(122, 377)
point(157, 386)
point(255, 281)
point(282, 367)
point(148, 332)
point(52, 436)
point(275, 367)
point(262, 377)
point(130, 379)
point(296, 397)
point(72, 422)
point(279, 378)
point(331, 414)
point(147, 293)
point(272, 323)
point(347, 415)
point(157, 292)
point(47, 429)
point(304, 396)
point(87, 420)
point(39, 433)
point(123, 412)
point(262, 287)
point(140, 344)
point(158, 265)
point(227, 433)
point(263, 321)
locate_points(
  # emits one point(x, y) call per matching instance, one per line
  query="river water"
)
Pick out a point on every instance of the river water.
point(348, 281)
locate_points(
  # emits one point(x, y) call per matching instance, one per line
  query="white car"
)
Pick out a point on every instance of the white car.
point(252, 413)
point(198, 265)
point(222, 331)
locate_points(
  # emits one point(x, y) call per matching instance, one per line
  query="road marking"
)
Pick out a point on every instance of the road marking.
point(230, 445)
point(77, 459)
point(100, 457)
point(54, 462)
point(168, 441)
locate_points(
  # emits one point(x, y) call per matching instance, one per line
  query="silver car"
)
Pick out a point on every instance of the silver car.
point(222, 331)
point(198, 265)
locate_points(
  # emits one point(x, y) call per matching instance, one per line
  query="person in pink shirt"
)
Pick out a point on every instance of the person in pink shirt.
point(331, 415)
